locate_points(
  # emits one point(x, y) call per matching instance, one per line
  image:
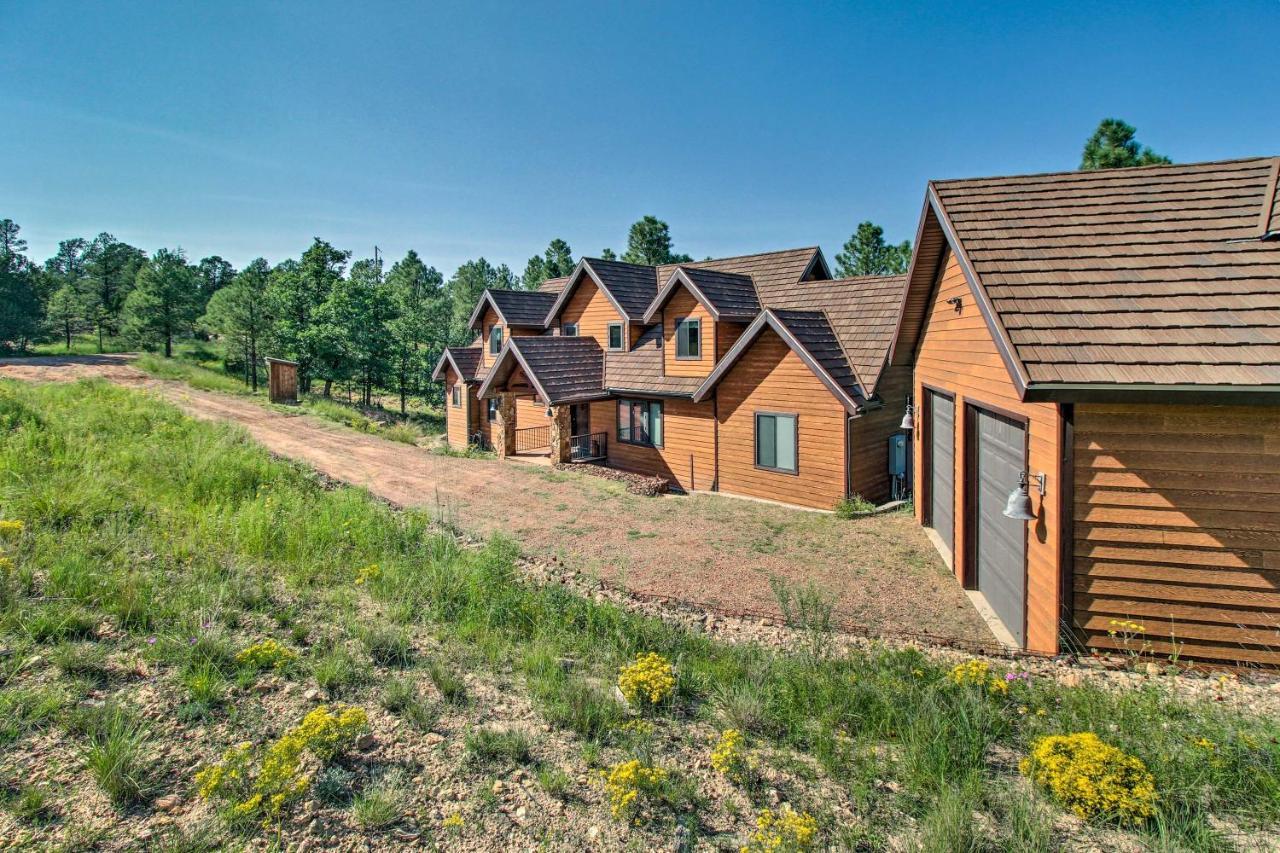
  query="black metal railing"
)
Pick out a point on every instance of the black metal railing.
point(584, 448)
point(533, 438)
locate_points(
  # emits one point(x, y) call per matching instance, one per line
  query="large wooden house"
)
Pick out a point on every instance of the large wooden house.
point(758, 376)
point(1111, 339)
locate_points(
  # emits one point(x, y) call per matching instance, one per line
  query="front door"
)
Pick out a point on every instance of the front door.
point(579, 419)
point(942, 467)
point(1000, 543)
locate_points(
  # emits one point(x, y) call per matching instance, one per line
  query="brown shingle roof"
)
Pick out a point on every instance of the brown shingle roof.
point(1152, 275)
point(769, 271)
point(729, 296)
point(553, 285)
point(465, 360)
point(641, 369)
point(562, 369)
point(522, 307)
point(633, 286)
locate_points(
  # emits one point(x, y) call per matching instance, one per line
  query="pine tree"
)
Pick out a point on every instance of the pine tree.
point(1113, 146)
point(649, 242)
point(866, 253)
point(238, 312)
point(164, 302)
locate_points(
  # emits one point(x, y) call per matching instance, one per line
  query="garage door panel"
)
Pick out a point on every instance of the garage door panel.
point(1000, 542)
point(942, 466)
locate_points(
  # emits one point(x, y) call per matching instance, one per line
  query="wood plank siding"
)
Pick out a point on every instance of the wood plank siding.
point(591, 309)
point(487, 322)
point(769, 377)
point(687, 456)
point(958, 355)
point(1177, 527)
point(869, 437)
point(457, 418)
point(681, 306)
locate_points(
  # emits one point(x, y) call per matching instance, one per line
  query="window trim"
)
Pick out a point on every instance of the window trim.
point(622, 340)
point(564, 326)
point(456, 398)
point(755, 441)
point(630, 403)
point(496, 327)
point(696, 322)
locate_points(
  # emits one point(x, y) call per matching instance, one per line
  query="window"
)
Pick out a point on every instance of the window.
point(776, 442)
point(640, 422)
point(493, 409)
point(457, 396)
point(569, 330)
point(688, 338)
point(615, 336)
point(495, 340)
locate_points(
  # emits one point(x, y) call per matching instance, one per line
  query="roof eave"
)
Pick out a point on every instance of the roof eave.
point(509, 348)
point(1188, 393)
point(677, 278)
point(477, 314)
point(583, 267)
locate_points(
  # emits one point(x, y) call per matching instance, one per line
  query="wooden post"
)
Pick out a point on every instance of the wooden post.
point(282, 380)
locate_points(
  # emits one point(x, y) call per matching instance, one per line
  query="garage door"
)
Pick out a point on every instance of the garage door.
point(1000, 543)
point(942, 467)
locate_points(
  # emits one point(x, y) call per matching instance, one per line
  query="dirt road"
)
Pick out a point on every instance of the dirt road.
point(711, 550)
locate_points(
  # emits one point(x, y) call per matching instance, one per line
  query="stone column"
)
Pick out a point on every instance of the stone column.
point(560, 432)
point(504, 431)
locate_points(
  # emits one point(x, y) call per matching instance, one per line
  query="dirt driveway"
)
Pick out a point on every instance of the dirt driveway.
point(706, 549)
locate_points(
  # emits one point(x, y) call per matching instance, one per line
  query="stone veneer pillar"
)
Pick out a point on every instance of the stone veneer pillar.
point(504, 433)
point(560, 431)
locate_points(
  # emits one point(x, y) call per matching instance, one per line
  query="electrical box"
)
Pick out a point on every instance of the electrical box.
point(898, 455)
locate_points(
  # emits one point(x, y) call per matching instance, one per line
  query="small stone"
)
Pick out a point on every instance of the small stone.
point(1153, 670)
point(366, 741)
point(169, 803)
point(498, 786)
point(593, 832)
point(521, 812)
point(311, 695)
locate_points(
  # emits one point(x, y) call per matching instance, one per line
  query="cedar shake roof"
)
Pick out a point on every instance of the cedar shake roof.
point(464, 360)
point(1145, 276)
point(553, 285)
point(527, 308)
point(728, 296)
point(769, 271)
point(641, 369)
point(563, 370)
point(632, 286)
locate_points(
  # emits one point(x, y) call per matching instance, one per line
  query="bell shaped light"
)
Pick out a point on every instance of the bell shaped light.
point(909, 419)
point(1018, 506)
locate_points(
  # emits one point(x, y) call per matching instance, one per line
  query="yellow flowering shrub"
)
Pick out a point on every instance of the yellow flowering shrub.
point(782, 831)
point(280, 777)
point(627, 783)
point(650, 677)
point(1091, 778)
point(267, 654)
point(978, 673)
point(729, 756)
point(368, 573)
point(453, 822)
point(10, 528)
point(6, 564)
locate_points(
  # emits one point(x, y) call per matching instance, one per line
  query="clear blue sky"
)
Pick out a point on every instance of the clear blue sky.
point(477, 129)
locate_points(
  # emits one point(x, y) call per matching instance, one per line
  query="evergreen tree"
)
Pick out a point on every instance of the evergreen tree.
point(297, 290)
point(239, 313)
point(110, 270)
point(866, 253)
point(1113, 146)
point(419, 330)
point(164, 302)
point(20, 306)
point(65, 312)
point(649, 242)
point(215, 274)
point(556, 262)
point(464, 289)
point(352, 327)
point(608, 254)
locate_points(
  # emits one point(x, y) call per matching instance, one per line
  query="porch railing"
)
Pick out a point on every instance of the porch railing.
point(587, 447)
point(533, 438)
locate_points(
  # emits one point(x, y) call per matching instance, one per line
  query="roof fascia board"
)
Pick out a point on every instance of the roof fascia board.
point(911, 277)
point(1017, 372)
point(1269, 199)
point(445, 356)
point(673, 281)
point(768, 318)
point(1066, 392)
point(818, 259)
point(569, 286)
point(476, 315)
point(649, 392)
point(510, 348)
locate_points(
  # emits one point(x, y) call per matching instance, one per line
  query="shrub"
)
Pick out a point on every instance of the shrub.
point(649, 678)
point(783, 831)
point(266, 654)
point(114, 756)
point(402, 433)
point(510, 746)
point(977, 673)
point(628, 783)
point(729, 758)
point(1091, 778)
point(334, 786)
point(853, 506)
point(10, 528)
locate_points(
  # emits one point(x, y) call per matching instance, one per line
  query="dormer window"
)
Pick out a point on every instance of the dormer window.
point(689, 338)
point(495, 340)
point(569, 330)
point(615, 336)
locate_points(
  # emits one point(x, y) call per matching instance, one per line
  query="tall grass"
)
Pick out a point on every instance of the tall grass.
point(103, 476)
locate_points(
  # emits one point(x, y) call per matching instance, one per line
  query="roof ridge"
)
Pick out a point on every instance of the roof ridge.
point(1101, 173)
point(743, 257)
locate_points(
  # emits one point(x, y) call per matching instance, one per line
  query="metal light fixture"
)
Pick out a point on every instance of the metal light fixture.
point(1018, 506)
point(909, 419)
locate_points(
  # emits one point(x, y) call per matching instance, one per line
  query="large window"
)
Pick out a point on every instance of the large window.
point(457, 396)
point(776, 442)
point(493, 409)
point(688, 338)
point(495, 340)
point(615, 336)
point(640, 422)
point(569, 330)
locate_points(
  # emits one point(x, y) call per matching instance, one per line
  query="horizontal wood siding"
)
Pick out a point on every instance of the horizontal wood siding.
point(957, 354)
point(687, 456)
point(456, 419)
point(592, 311)
point(1177, 527)
point(680, 306)
point(769, 377)
point(869, 437)
point(727, 334)
point(530, 413)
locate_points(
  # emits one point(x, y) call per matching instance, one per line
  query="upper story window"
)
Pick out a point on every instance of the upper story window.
point(776, 442)
point(640, 422)
point(569, 330)
point(689, 338)
point(495, 340)
point(615, 336)
point(457, 396)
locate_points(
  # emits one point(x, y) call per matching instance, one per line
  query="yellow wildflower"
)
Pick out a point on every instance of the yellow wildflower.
point(650, 678)
point(10, 527)
point(266, 654)
point(782, 831)
point(1091, 778)
point(729, 758)
point(627, 782)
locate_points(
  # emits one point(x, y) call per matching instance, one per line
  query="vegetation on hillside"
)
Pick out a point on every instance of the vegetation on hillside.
point(170, 592)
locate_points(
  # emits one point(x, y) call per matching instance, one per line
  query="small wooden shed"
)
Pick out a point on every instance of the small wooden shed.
point(282, 380)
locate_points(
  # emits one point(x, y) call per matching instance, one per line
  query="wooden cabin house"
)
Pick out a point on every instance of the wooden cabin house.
point(1112, 340)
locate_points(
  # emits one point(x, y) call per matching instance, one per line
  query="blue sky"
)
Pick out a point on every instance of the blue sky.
point(488, 129)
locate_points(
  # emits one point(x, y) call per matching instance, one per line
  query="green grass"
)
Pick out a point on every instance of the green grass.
point(195, 375)
point(181, 531)
point(499, 746)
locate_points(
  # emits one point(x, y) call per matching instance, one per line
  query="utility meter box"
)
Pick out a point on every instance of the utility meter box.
point(898, 455)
